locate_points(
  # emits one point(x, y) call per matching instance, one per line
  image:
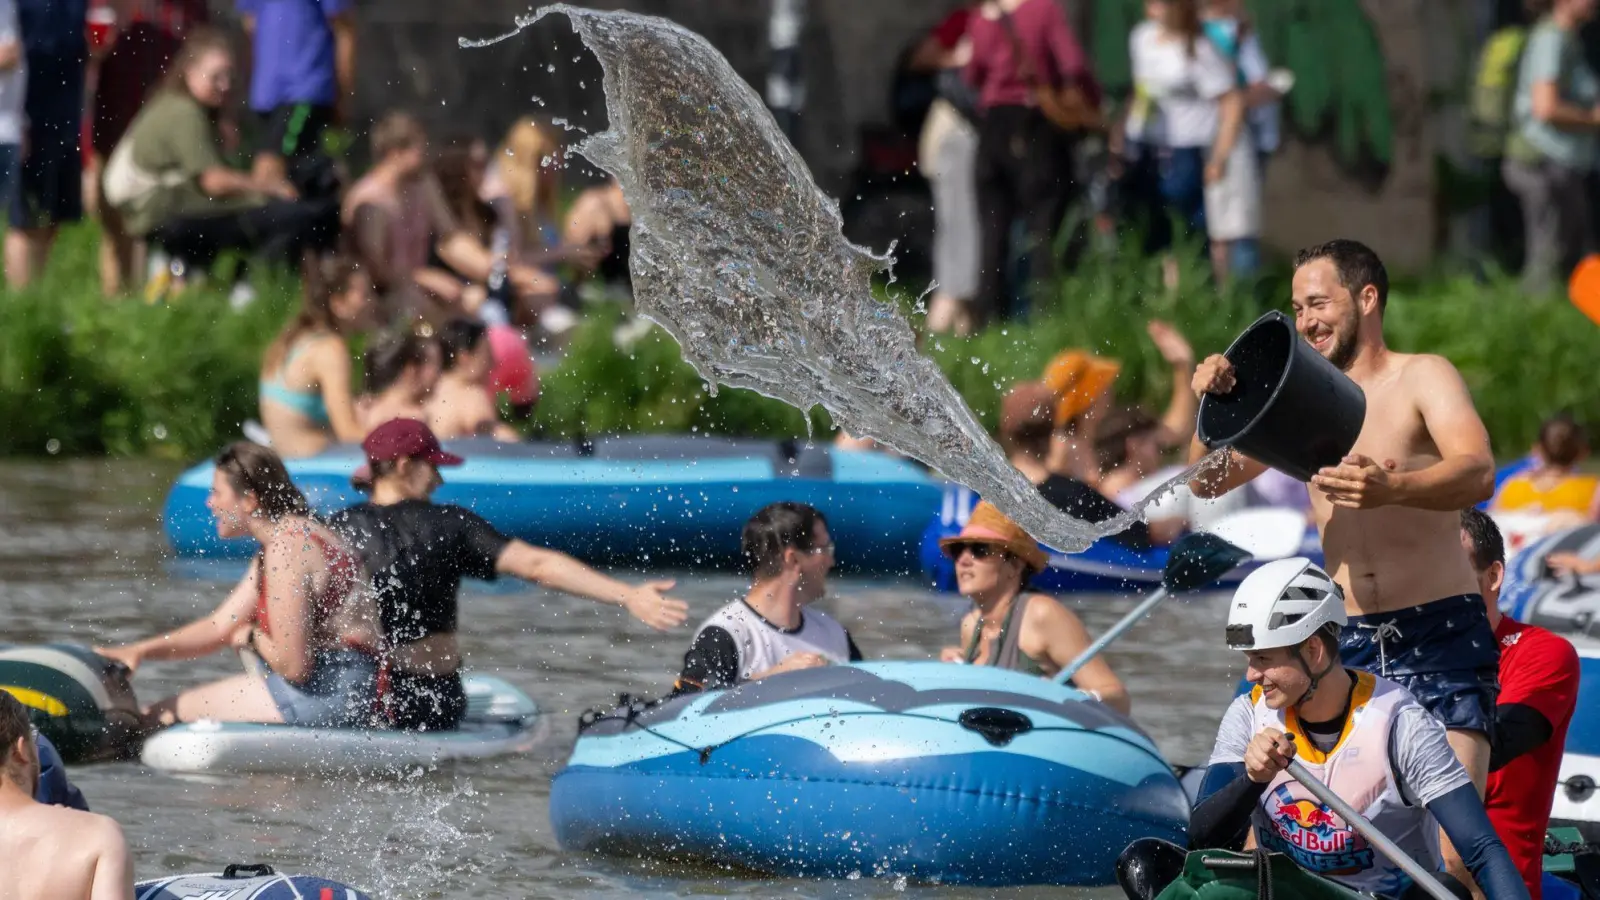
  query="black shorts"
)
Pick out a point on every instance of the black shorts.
point(415, 702)
point(49, 189)
point(1443, 652)
point(293, 130)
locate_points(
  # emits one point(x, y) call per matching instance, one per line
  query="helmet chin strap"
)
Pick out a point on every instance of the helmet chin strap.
point(1315, 677)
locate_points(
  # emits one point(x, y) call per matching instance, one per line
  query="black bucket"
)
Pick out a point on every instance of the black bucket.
point(1289, 408)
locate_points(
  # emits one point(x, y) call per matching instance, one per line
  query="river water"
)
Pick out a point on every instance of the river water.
point(82, 559)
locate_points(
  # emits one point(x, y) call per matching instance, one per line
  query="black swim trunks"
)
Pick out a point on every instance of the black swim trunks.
point(1443, 652)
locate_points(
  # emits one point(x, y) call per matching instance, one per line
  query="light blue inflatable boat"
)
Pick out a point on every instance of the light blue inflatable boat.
point(933, 771)
point(651, 501)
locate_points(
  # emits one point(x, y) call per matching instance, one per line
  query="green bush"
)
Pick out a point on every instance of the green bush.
point(177, 379)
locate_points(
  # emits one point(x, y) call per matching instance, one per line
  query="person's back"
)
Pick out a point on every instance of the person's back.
point(460, 405)
point(51, 852)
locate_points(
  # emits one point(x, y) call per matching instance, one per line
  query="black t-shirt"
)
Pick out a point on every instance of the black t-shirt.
point(418, 552)
point(1083, 502)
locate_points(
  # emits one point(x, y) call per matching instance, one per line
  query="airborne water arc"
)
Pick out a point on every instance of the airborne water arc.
point(741, 258)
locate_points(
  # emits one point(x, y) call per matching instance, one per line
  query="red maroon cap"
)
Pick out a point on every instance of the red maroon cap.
point(406, 439)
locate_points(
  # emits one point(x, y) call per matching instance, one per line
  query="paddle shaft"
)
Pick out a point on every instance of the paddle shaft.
point(1116, 631)
point(1418, 874)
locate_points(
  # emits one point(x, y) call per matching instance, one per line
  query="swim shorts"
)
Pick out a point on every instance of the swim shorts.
point(340, 693)
point(1443, 652)
point(418, 702)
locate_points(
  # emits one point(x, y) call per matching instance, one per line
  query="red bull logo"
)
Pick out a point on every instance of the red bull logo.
point(1310, 834)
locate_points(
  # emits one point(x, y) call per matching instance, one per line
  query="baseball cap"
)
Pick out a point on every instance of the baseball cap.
point(406, 439)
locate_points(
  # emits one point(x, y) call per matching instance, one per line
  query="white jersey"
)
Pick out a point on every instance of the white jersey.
point(763, 645)
point(1361, 770)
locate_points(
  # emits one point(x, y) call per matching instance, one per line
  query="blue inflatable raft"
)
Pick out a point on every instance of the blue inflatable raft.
point(656, 501)
point(932, 771)
point(253, 882)
point(1106, 567)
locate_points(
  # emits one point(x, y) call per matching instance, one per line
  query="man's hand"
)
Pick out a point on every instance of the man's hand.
point(1213, 376)
point(1358, 482)
point(1268, 754)
point(794, 662)
point(650, 605)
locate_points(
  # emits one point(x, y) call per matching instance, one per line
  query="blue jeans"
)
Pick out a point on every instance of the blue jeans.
point(1183, 186)
point(340, 693)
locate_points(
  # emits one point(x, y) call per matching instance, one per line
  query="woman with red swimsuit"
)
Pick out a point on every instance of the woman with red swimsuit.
point(304, 607)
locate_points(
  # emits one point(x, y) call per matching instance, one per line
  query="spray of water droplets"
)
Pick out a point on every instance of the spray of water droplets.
point(741, 257)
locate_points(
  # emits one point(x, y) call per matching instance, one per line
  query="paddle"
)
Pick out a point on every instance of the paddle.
point(1195, 561)
point(1331, 800)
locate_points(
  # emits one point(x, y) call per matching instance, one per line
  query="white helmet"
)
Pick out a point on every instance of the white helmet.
point(1282, 604)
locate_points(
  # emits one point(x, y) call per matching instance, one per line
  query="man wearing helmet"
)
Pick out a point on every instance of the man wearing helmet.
point(1387, 512)
point(1361, 734)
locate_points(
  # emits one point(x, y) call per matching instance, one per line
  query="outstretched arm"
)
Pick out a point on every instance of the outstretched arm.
point(561, 572)
point(201, 637)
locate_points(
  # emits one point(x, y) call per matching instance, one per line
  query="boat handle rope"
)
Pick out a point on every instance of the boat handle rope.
point(593, 717)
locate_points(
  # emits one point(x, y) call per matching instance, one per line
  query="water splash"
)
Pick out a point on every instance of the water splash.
point(740, 256)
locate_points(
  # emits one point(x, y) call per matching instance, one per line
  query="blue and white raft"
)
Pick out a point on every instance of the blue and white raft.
point(931, 771)
point(672, 499)
point(500, 720)
point(245, 882)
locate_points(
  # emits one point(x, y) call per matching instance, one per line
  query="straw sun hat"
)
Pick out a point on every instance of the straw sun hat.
point(988, 525)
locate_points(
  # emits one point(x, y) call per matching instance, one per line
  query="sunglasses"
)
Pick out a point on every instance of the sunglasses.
point(978, 551)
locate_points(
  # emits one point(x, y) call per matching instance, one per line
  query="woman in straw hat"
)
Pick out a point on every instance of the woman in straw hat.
point(1010, 627)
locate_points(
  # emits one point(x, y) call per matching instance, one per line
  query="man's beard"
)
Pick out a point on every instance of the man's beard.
point(1343, 351)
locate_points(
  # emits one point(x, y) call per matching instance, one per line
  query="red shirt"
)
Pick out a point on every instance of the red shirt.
point(1050, 44)
point(1538, 670)
point(952, 28)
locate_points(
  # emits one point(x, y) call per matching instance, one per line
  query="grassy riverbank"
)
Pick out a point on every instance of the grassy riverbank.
point(83, 375)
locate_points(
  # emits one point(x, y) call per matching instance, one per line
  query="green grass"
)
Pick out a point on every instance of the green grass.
point(83, 375)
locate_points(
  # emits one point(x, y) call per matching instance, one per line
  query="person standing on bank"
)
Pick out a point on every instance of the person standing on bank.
point(771, 631)
point(1389, 512)
point(1023, 51)
point(1552, 147)
point(418, 551)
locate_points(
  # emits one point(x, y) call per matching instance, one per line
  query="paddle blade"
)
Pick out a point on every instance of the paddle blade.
point(1583, 289)
point(1265, 534)
point(1199, 559)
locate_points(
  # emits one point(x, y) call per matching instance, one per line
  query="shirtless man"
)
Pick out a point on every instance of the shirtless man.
point(461, 405)
point(51, 852)
point(1389, 512)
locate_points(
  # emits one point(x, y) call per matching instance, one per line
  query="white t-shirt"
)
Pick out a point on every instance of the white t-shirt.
point(13, 81)
point(1185, 89)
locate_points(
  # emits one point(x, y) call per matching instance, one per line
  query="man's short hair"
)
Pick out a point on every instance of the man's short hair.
point(775, 528)
point(14, 721)
point(1356, 263)
point(397, 131)
point(1488, 547)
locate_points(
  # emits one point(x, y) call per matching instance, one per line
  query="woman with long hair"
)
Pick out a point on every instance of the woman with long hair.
point(304, 608)
point(306, 400)
point(169, 181)
point(1010, 626)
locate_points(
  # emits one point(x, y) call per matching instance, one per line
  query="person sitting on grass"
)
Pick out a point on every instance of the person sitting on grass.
point(772, 630)
point(401, 372)
point(51, 852)
point(306, 400)
point(304, 609)
point(461, 405)
point(1010, 626)
point(170, 182)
